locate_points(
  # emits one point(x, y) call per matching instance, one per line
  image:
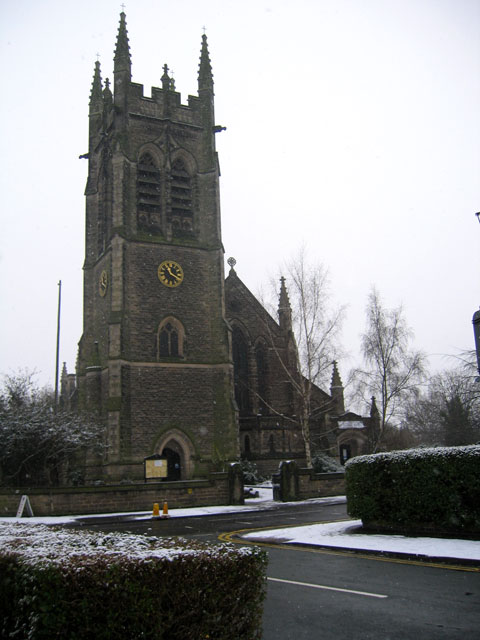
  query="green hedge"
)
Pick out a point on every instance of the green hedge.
point(58, 583)
point(435, 489)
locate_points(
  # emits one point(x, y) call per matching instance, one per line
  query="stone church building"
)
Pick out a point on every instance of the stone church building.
point(178, 360)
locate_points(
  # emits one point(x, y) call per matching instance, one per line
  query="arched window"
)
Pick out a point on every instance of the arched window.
point(181, 215)
point(271, 443)
point(148, 195)
point(262, 385)
point(171, 338)
point(246, 444)
point(240, 370)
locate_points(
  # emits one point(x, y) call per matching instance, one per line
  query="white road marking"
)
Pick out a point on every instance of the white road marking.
point(321, 586)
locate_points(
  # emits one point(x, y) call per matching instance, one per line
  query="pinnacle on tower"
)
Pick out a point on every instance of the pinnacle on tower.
point(96, 92)
point(205, 75)
point(122, 57)
point(336, 390)
point(336, 380)
point(284, 308)
point(107, 93)
point(165, 79)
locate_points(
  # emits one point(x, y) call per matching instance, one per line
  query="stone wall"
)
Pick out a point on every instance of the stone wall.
point(292, 483)
point(314, 485)
point(218, 489)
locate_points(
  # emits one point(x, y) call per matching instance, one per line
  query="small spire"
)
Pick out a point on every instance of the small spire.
point(336, 391)
point(374, 413)
point(284, 308)
point(96, 92)
point(107, 95)
point(336, 380)
point(165, 79)
point(122, 50)
point(205, 75)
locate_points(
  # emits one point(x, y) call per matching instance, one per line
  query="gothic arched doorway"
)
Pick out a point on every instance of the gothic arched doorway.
point(174, 464)
point(179, 451)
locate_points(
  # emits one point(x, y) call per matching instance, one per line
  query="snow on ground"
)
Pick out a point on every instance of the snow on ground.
point(334, 534)
point(342, 535)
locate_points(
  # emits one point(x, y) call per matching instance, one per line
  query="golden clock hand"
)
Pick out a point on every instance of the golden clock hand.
point(169, 269)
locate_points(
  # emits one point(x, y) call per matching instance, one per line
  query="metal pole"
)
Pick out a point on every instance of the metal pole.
point(58, 341)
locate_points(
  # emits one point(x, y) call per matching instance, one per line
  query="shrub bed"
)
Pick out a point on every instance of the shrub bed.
point(417, 490)
point(58, 583)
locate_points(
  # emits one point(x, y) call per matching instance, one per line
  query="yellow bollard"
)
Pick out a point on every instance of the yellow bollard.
point(156, 510)
point(165, 510)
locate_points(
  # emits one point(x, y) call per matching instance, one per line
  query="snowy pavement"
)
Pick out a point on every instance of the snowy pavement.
point(333, 534)
point(342, 535)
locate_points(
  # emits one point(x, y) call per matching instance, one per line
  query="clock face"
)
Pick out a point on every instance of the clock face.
point(170, 273)
point(103, 283)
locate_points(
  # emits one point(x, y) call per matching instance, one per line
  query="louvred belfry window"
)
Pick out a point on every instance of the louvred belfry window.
point(181, 215)
point(148, 195)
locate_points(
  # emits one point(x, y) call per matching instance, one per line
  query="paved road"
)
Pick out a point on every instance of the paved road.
point(375, 599)
point(320, 595)
point(209, 527)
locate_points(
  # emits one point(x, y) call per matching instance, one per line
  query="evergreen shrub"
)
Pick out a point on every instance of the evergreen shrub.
point(323, 463)
point(251, 474)
point(58, 583)
point(435, 490)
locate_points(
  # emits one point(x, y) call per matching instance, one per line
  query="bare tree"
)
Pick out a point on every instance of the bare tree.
point(38, 444)
point(315, 328)
point(448, 413)
point(393, 370)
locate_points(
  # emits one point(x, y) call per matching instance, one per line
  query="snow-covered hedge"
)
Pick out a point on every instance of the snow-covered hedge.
point(436, 489)
point(58, 583)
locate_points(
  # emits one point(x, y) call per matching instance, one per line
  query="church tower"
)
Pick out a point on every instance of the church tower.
point(154, 358)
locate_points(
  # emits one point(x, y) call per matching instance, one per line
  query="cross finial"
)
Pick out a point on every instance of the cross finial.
point(98, 57)
point(204, 29)
point(123, 7)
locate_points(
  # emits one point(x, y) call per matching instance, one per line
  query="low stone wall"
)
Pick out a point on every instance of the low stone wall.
point(219, 488)
point(267, 464)
point(292, 483)
point(314, 485)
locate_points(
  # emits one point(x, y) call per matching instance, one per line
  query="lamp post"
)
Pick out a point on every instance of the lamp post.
point(476, 333)
point(58, 342)
point(476, 325)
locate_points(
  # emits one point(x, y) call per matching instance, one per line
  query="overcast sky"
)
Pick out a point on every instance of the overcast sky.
point(352, 127)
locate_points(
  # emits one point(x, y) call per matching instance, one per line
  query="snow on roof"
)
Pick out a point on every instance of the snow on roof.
point(350, 424)
point(39, 544)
